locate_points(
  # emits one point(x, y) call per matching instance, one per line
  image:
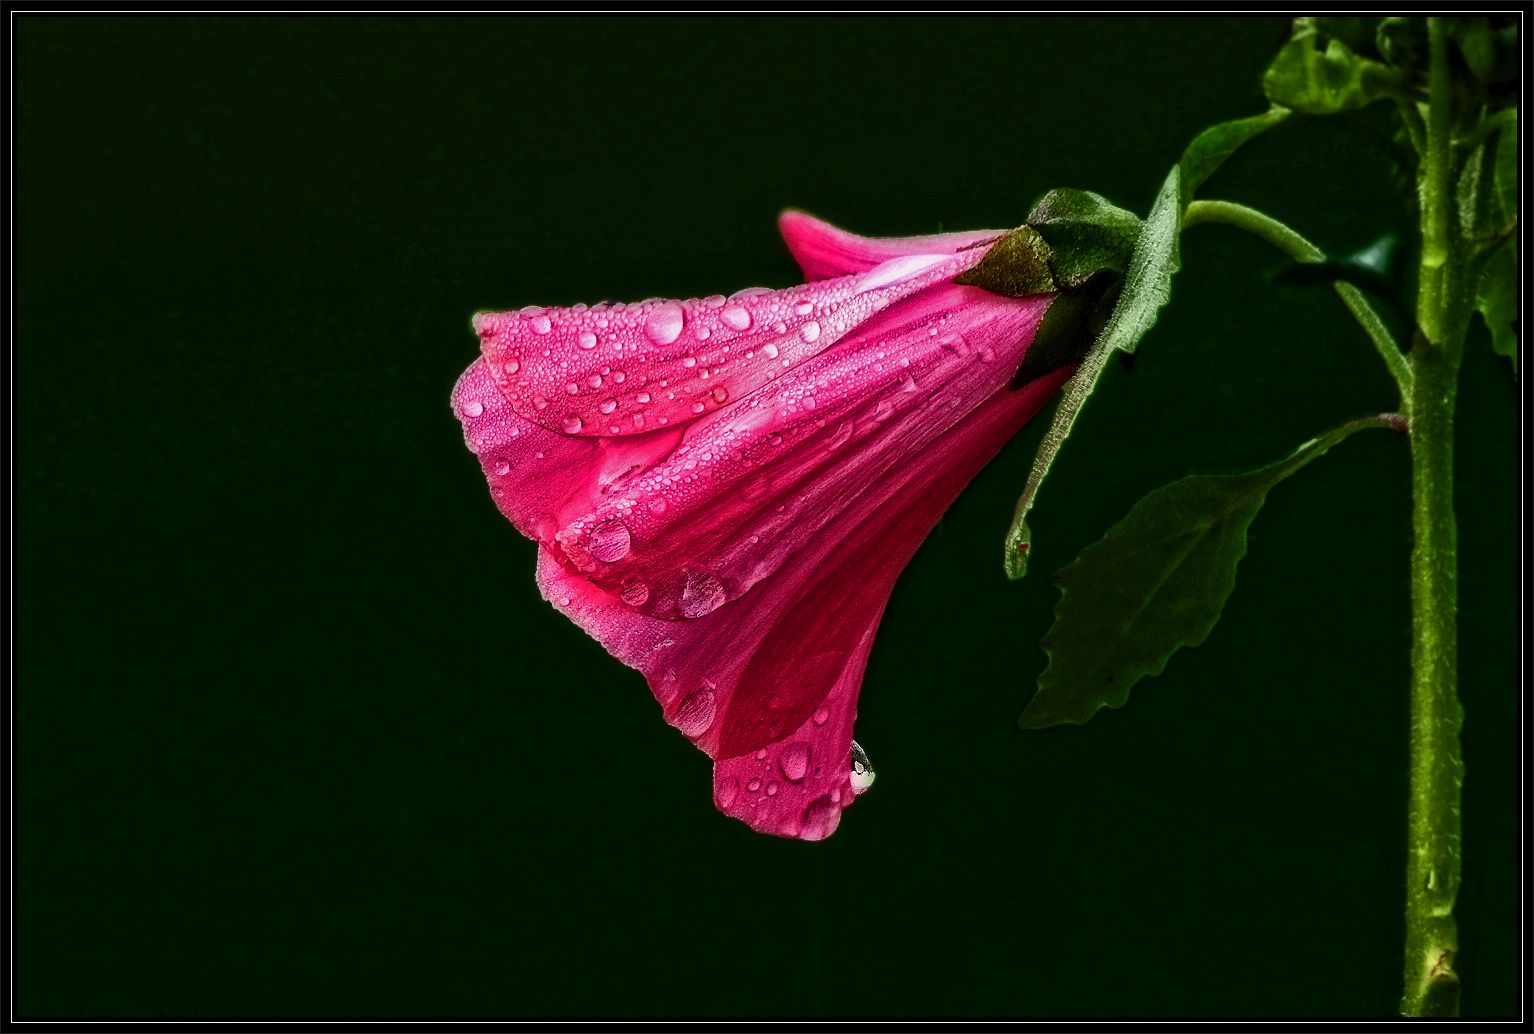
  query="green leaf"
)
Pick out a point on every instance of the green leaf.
point(1086, 234)
point(1488, 45)
point(1505, 173)
point(1493, 178)
point(1210, 148)
point(1496, 299)
point(1317, 81)
point(1147, 287)
point(1156, 582)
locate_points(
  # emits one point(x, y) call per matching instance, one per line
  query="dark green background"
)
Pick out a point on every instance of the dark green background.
point(296, 734)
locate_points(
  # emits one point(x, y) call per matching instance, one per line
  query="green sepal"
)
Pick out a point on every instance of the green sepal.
point(1086, 234)
point(1017, 266)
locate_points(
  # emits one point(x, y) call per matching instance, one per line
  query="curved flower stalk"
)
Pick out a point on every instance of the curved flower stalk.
point(724, 490)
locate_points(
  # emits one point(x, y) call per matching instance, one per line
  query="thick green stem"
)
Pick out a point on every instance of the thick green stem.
point(1437, 767)
point(1298, 248)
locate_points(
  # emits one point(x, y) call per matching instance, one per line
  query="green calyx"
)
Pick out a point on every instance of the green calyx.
point(1075, 245)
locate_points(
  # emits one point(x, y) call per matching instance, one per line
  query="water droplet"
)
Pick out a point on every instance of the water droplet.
point(510, 367)
point(587, 339)
point(471, 409)
point(634, 592)
point(761, 755)
point(736, 317)
point(770, 350)
point(810, 331)
point(843, 434)
point(701, 594)
point(573, 425)
point(803, 309)
point(657, 504)
point(572, 388)
point(540, 324)
point(595, 380)
point(884, 410)
point(822, 716)
point(608, 406)
point(502, 467)
point(609, 541)
point(754, 785)
point(726, 791)
point(986, 355)
point(663, 325)
point(862, 772)
point(820, 818)
point(772, 789)
point(719, 395)
point(697, 407)
point(795, 761)
point(696, 713)
point(642, 397)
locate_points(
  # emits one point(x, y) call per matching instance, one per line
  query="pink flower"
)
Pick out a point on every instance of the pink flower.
point(724, 490)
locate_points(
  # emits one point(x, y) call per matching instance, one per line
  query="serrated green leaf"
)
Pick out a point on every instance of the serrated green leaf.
point(1317, 81)
point(1210, 148)
point(1086, 234)
point(1156, 582)
point(1496, 299)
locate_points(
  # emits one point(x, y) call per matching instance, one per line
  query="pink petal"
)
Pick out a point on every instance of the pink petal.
point(541, 480)
point(823, 250)
point(749, 485)
point(624, 370)
point(750, 600)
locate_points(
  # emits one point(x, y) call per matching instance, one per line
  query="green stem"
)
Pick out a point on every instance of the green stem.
point(1437, 768)
point(1433, 195)
point(1285, 239)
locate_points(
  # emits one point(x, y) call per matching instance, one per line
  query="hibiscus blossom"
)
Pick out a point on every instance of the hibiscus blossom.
point(724, 490)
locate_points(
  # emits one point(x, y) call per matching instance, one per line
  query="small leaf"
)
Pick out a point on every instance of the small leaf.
point(1210, 148)
point(1496, 211)
point(1505, 173)
point(1496, 299)
point(1156, 582)
point(1317, 81)
point(1488, 45)
point(1086, 234)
